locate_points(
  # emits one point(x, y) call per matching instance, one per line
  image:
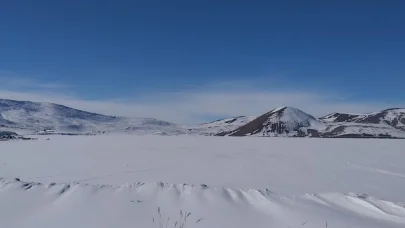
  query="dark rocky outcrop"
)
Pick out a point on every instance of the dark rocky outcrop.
point(7, 135)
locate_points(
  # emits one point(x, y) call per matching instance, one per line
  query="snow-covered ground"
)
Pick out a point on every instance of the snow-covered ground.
point(122, 181)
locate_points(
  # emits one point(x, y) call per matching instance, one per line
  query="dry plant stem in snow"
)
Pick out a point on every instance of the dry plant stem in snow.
point(163, 222)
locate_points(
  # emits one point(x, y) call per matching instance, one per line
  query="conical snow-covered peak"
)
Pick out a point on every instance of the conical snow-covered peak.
point(286, 121)
point(290, 111)
point(291, 119)
point(278, 109)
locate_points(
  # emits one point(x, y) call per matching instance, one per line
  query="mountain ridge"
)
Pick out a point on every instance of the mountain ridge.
point(39, 116)
point(284, 121)
point(292, 122)
point(394, 117)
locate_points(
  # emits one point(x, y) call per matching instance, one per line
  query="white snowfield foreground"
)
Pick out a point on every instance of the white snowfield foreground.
point(138, 205)
point(123, 180)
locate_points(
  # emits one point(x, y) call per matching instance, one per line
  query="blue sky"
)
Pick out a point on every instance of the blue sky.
point(189, 61)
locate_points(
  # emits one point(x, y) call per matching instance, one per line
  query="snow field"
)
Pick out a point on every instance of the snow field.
point(122, 180)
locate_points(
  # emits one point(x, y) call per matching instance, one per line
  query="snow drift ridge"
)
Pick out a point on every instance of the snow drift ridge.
point(135, 206)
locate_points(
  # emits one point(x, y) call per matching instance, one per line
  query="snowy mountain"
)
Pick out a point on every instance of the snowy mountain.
point(360, 130)
point(39, 116)
point(394, 117)
point(292, 122)
point(223, 125)
point(26, 117)
point(283, 121)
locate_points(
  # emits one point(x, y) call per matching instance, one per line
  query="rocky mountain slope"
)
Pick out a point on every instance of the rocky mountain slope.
point(394, 117)
point(338, 117)
point(359, 130)
point(284, 121)
point(223, 125)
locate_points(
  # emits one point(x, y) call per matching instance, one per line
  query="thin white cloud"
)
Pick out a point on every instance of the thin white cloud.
point(11, 80)
point(196, 106)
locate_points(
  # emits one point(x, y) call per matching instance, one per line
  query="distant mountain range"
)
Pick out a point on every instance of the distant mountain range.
point(292, 122)
point(49, 118)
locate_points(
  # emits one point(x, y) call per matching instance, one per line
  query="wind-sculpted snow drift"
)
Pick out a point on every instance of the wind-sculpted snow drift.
point(24, 204)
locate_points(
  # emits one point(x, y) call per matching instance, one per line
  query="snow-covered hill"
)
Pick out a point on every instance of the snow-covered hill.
point(361, 130)
point(338, 117)
point(39, 116)
point(388, 123)
point(394, 117)
point(223, 125)
point(283, 121)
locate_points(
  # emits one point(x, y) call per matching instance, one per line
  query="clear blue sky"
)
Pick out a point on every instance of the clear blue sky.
point(127, 48)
